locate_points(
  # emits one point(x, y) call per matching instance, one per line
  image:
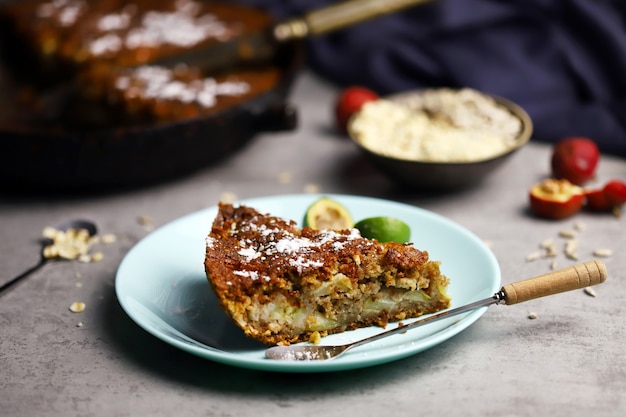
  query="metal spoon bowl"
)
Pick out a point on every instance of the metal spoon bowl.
point(567, 279)
point(79, 224)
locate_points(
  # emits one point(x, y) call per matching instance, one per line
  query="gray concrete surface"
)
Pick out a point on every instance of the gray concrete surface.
point(570, 361)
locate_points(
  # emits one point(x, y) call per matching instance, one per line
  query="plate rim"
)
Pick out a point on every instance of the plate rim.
point(214, 354)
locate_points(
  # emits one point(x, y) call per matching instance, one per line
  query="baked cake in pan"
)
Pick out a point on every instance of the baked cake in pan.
point(283, 284)
point(56, 39)
point(90, 64)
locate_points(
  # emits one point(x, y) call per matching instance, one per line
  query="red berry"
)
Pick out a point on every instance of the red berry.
point(615, 193)
point(596, 200)
point(349, 101)
point(575, 159)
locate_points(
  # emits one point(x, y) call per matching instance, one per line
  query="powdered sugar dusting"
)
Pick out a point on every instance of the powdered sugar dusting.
point(301, 263)
point(156, 82)
point(293, 244)
point(280, 247)
point(184, 26)
point(64, 12)
point(249, 254)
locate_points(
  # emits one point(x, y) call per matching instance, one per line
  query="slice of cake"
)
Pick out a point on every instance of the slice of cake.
point(283, 284)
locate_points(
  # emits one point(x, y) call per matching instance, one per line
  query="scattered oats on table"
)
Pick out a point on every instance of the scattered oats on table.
point(77, 307)
point(72, 244)
point(590, 291)
point(550, 248)
point(228, 197)
point(146, 222)
point(567, 234)
point(285, 177)
point(571, 248)
point(312, 188)
point(108, 238)
point(603, 253)
point(533, 256)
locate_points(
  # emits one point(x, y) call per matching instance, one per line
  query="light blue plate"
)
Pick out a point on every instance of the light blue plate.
point(162, 286)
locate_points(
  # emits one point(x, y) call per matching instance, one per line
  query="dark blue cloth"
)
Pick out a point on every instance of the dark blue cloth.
point(563, 61)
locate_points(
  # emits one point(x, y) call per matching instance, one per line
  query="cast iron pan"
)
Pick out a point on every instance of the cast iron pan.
point(32, 159)
point(123, 157)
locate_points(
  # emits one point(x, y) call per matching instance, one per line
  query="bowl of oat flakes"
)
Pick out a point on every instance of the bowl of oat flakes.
point(440, 139)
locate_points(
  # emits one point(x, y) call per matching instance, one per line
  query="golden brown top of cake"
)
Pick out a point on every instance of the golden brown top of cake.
point(247, 250)
point(125, 33)
point(163, 94)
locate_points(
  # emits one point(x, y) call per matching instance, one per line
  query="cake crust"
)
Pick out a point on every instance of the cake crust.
point(283, 284)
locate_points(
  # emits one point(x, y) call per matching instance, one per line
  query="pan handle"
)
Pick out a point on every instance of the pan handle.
point(338, 16)
point(567, 279)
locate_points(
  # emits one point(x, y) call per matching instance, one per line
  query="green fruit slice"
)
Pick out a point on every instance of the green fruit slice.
point(384, 229)
point(326, 213)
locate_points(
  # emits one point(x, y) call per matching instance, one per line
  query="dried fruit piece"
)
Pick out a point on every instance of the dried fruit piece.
point(575, 159)
point(556, 199)
point(350, 101)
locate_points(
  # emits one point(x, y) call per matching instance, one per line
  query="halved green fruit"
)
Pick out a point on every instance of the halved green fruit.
point(327, 213)
point(384, 229)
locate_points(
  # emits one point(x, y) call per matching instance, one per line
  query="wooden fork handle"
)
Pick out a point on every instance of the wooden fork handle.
point(574, 277)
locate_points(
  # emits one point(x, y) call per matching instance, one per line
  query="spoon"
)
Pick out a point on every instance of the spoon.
point(91, 229)
point(567, 279)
